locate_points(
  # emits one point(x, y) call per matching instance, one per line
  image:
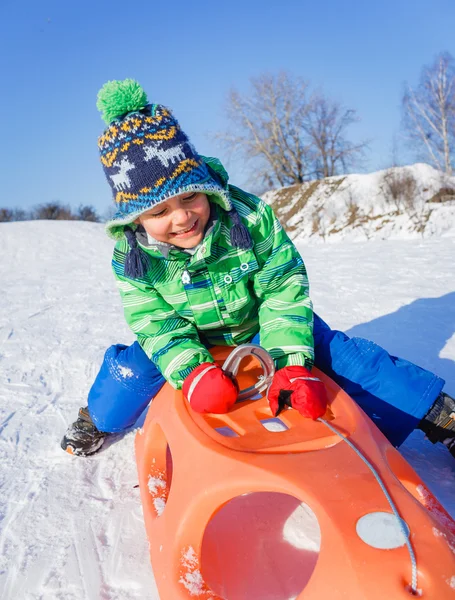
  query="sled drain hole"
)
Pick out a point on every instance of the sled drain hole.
point(226, 431)
point(260, 545)
point(274, 425)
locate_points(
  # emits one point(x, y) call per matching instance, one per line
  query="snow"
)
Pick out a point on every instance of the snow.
point(125, 372)
point(157, 488)
point(396, 203)
point(72, 528)
point(301, 529)
point(191, 578)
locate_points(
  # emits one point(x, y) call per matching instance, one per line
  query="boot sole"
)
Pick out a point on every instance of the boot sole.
point(72, 449)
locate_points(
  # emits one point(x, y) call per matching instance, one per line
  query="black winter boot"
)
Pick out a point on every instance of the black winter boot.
point(439, 423)
point(82, 438)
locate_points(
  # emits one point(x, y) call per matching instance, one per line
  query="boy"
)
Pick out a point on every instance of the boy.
point(199, 262)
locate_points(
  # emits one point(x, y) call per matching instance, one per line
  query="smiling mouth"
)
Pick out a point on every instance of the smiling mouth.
point(187, 231)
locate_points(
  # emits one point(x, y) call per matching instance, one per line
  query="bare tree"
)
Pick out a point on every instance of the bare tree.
point(6, 215)
point(326, 126)
point(53, 211)
point(400, 189)
point(294, 134)
point(429, 113)
point(13, 214)
point(86, 213)
point(267, 124)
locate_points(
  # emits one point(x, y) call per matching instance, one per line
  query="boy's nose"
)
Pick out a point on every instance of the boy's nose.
point(181, 216)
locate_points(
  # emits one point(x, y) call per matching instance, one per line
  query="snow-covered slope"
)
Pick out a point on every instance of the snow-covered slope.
point(398, 203)
point(72, 529)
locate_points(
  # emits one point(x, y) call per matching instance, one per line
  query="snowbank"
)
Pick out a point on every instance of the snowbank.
point(398, 203)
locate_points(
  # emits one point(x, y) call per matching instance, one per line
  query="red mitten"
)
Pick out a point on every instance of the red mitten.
point(209, 390)
point(297, 387)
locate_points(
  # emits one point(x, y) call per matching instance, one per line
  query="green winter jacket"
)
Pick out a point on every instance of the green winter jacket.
point(230, 295)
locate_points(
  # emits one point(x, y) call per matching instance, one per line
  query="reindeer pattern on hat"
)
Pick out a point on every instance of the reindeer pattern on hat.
point(166, 157)
point(121, 179)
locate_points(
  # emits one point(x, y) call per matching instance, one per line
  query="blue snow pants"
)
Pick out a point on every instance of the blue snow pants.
point(393, 392)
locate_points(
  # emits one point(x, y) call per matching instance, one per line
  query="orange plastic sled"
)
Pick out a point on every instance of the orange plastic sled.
point(243, 506)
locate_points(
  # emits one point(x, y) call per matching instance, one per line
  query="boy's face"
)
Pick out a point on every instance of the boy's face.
point(180, 221)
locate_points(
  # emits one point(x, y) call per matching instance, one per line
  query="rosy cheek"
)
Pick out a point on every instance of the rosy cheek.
point(159, 228)
point(153, 227)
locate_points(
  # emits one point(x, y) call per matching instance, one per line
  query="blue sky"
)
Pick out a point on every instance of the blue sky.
point(188, 55)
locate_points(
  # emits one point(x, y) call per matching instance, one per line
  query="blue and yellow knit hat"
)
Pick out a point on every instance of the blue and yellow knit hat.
point(146, 156)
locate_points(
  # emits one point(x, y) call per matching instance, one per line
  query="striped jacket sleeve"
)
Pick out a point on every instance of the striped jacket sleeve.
point(281, 284)
point(170, 341)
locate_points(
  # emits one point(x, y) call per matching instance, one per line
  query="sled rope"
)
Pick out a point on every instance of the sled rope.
point(389, 500)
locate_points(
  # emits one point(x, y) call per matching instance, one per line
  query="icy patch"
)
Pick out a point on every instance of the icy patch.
point(301, 529)
point(451, 582)
point(125, 372)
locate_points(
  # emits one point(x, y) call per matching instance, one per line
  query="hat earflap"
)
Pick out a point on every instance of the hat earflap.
point(137, 262)
point(240, 236)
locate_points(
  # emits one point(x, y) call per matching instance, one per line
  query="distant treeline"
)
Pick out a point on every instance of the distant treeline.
point(54, 211)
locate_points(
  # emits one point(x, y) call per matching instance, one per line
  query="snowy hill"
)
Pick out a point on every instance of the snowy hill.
point(398, 203)
point(72, 528)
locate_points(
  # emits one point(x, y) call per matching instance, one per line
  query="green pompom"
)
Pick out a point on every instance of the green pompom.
point(116, 98)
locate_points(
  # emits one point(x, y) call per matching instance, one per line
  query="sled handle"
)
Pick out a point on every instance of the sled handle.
point(232, 363)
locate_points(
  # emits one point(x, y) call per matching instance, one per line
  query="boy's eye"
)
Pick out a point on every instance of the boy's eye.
point(158, 214)
point(186, 199)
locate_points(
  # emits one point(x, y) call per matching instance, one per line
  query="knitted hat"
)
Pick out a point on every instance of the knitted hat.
point(146, 157)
